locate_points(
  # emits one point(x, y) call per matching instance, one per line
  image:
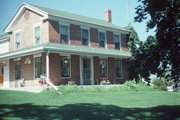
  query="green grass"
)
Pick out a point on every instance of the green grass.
point(91, 104)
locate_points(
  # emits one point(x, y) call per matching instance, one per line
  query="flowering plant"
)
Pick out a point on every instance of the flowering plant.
point(104, 81)
point(71, 82)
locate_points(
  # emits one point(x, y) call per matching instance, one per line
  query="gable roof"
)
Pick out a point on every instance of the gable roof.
point(64, 48)
point(53, 14)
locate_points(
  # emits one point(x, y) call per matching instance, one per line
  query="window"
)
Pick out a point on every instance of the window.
point(118, 68)
point(101, 39)
point(117, 42)
point(84, 36)
point(103, 68)
point(18, 69)
point(65, 66)
point(38, 67)
point(17, 41)
point(64, 34)
point(37, 35)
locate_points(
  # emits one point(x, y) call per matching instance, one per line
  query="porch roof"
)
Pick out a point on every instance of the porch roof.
point(67, 49)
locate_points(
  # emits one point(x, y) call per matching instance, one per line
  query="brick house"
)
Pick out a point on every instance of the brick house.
point(63, 46)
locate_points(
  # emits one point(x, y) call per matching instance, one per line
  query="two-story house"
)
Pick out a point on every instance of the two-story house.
point(65, 47)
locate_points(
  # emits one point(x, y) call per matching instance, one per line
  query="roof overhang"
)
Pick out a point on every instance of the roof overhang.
point(19, 13)
point(67, 49)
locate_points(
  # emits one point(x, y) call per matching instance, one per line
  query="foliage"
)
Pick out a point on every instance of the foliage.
point(145, 60)
point(67, 89)
point(161, 83)
point(133, 40)
point(164, 17)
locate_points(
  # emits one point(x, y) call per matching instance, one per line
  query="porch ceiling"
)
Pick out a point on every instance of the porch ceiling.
point(64, 48)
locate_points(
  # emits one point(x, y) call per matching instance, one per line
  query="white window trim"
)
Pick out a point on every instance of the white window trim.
point(34, 39)
point(16, 59)
point(35, 56)
point(70, 65)
point(121, 69)
point(16, 32)
point(107, 66)
point(68, 25)
point(86, 28)
point(105, 42)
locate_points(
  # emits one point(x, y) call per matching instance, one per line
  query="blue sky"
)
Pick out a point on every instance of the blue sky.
point(122, 12)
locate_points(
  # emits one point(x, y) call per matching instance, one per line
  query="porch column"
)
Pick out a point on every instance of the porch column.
point(47, 66)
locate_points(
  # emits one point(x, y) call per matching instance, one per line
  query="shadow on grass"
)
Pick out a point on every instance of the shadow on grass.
point(87, 112)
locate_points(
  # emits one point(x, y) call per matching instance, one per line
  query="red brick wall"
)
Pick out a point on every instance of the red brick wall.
point(27, 70)
point(111, 69)
point(75, 35)
point(96, 70)
point(110, 40)
point(75, 68)
point(124, 42)
point(54, 68)
point(125, 71)
point(54, 32)
point(94, 37)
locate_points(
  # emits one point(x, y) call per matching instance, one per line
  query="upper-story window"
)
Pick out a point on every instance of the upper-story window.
point(117, 41)
point(85, 36)
point(17, 41)
point(102, 38)
point(64, 34)
point(37, 35)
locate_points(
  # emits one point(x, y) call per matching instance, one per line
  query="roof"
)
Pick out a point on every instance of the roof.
point(56, 15)
point(64, 48)
point(76, 17)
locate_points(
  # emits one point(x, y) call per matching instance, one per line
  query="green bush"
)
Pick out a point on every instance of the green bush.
point(127, 86)
point(133, 86)
point(161, 83)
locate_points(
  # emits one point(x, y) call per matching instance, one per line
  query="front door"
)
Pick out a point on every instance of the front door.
point(86, 70)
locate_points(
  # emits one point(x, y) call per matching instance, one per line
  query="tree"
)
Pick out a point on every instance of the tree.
point(133, 41)
point(165, 17)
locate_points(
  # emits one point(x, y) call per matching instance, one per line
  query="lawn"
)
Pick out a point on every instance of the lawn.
point(90, 105)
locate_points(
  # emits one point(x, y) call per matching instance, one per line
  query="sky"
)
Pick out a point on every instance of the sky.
point(123, 11)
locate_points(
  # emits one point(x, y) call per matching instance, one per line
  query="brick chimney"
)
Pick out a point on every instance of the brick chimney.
point(107, 15)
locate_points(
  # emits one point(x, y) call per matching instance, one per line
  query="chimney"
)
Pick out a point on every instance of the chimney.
point(107, 15)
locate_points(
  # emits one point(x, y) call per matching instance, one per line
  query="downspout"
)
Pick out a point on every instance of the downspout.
point(47, 73)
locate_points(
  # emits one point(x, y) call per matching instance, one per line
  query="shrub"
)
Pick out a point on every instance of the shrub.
point(66, 89)
point(161, 83)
